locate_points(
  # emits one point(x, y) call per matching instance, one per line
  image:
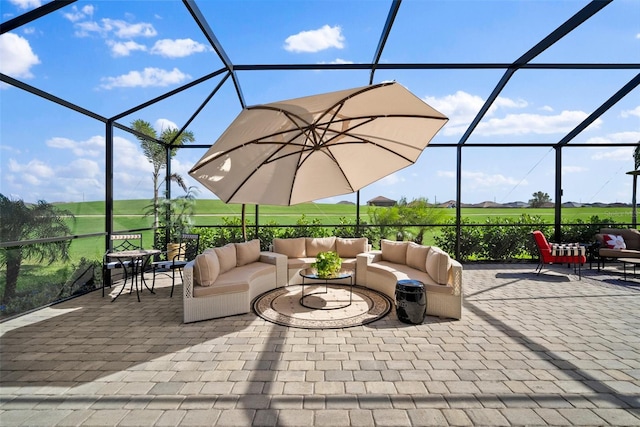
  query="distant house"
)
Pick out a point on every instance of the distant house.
point(381, 201)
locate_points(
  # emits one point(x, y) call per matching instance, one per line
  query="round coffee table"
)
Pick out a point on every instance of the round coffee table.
point(310, 274)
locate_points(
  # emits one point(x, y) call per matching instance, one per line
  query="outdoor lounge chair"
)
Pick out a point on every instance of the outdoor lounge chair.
point(188, 249)
point(559, 253)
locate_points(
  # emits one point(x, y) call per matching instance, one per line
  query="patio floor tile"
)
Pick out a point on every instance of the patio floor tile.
point(543, 350)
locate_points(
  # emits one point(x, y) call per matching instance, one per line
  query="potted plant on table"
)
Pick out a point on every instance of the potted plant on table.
point(327, 264)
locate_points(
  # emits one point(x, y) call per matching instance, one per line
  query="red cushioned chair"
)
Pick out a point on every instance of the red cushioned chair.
point(559, 253)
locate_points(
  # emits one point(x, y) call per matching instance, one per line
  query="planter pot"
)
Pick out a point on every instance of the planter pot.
point(173, 249)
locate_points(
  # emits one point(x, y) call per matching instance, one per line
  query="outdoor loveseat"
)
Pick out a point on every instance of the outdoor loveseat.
point(614, 243)
point(223, 281)
point(440, 274)
point(301, 252)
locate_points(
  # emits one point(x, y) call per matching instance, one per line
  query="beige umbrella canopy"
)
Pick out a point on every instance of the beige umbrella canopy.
point(318, 146)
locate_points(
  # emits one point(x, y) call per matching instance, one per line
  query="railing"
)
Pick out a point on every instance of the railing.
point(40, 284)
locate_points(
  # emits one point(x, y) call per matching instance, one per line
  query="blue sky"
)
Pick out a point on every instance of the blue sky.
point(112, 56)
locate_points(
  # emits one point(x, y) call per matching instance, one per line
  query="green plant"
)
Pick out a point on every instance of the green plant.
point(327, 264)
point(20, 221)
point(178, 215)
point(159, 155)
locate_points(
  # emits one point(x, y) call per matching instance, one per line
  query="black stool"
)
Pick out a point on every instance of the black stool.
point(411, 301)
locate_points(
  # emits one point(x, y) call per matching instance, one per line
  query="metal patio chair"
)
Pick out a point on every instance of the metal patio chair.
point(188, 249)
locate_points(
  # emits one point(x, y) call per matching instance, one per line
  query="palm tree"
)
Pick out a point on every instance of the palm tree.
point(20, 222)
point(156, 154)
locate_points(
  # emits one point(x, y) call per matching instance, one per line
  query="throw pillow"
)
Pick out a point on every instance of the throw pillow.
point(292, 248)
point(206, 268)
point(247, 252)
point(315, 245)
point(438, 263)
point(351, 247)
point(417, 256)
point(395, 252)
point(226, 256)
point(613, 241)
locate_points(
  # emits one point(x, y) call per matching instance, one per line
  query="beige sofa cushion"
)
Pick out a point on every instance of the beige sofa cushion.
point(226, 256)
point(351, 247)
point(417, 256)
point(247, 252)
point(206, 268)
point(292, 248)
point(394, 251)
point(438, 263)
point(315, 245)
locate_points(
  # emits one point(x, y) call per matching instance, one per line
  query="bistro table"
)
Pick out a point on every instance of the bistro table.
point(139, 258)
point(311, 274)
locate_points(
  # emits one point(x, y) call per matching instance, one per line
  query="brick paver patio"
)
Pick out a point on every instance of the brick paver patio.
point(530, 350)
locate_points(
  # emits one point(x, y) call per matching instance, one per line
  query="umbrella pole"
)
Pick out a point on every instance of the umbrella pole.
point(244, 222)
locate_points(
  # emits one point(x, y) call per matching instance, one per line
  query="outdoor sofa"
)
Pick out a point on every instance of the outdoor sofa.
point(301, 252)
point(614, 243)
point(380, 270)
point(224, 281)
point(441, 275)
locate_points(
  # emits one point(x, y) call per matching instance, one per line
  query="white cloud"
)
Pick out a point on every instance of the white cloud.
point(124, 48)
point(623, 154)
point(85, 29)
point(462, 107)
point(27, 4)
point(16, 56)
point(115, 27)
point(630, 113)
point(391, 180)
point(93, 147)
point(148, 77)
point(78, 14)
point(10, 149)
point(481, 179)
point(33, 173)
point(84, 169)
point(615, 138)
point(339, 61)
point(573, 169)
point(520, 124)
point(126, 30)
point(178, 48)
point(315, 40)
point(473, 180)
point(162, 124)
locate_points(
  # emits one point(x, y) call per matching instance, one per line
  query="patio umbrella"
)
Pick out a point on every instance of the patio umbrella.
point(309, 148)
